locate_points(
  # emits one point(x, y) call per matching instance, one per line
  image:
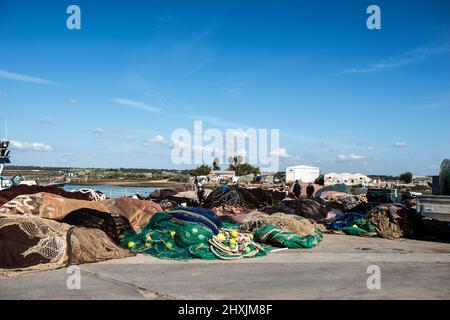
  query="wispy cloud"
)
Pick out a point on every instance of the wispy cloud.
point(400, 144)
point(30, 146)
point(350, 157)
point(72, 101)
point(158, 139)
point(408, 57)
point(23, 77)
point(47, 120)
point(98, 132)
point(136, 105)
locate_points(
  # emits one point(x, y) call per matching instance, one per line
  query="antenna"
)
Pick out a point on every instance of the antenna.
point(6, 127)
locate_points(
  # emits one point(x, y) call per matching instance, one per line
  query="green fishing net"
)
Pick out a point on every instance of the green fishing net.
point(272, 235)
point(167, 238)
point(361, 227)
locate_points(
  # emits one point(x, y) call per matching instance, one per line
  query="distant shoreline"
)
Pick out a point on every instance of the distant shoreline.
point(137, 184)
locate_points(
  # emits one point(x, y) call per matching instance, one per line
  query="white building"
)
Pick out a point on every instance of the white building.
point(349, 179)
point(302, 173)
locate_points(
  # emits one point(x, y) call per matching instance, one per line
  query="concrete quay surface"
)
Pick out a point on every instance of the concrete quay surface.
point(336, 269)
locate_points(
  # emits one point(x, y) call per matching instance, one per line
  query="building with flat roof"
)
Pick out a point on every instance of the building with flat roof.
point(350, 179)
point(302, 173)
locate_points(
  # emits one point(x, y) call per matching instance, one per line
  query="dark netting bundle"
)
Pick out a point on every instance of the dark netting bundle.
point(345, 220)
point(312, 208)
point(201, 216)
point(9, 194)
point(237, 196)
point(115, 226)
point(203, 212)
point(379, 196)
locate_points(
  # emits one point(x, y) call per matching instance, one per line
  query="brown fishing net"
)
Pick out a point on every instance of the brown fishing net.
point(46, 205)
point(92, 245)
point(286, 222)
point(30, 243)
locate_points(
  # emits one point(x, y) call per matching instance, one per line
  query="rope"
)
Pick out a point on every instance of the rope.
point(242, 249)
point(94, 195)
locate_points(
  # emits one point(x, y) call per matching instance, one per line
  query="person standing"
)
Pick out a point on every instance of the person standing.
point(310, 190)
point(200, 190)
point(297, 189)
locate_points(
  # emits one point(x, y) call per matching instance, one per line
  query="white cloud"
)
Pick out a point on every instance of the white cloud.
point(30, 146)
point(159, 139)
point(98, 131)
point(22, 77)
point(72, 101)
point(350, 157)
point(400, 144)
point(137, 105)
point(371, 149)
point(281, 153)
point(409, 57)
point(129, 138)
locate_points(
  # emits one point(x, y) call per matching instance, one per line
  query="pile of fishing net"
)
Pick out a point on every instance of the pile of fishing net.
point(284, 230)
point(114, 225)
point(9, 194)
point(186, 191)
point(51, 206)
point(187, 233)
point(390, 221)
point(339, 187)
point(337, 196)
point(352, 223)
point(238, 196)
point(393, 221)
point(31, 243)
point(274, 236)
point(316, 209)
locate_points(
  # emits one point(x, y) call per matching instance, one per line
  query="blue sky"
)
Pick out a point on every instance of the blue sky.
point(345, 98)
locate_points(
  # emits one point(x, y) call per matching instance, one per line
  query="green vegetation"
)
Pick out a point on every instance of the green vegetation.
point(406, 177)
point(240, 168)
point(320, 180)
point(202, 170)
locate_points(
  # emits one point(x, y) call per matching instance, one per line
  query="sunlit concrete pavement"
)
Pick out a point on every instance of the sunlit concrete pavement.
point(337, 269)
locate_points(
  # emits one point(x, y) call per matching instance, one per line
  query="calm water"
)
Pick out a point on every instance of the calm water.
point(116, 191)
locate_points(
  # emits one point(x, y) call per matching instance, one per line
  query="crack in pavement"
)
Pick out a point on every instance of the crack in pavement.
point(145, 292)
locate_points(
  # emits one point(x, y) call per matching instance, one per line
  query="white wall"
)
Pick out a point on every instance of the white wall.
point(302, 174)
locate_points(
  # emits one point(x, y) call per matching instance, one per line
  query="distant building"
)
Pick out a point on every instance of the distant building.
point(422, 180)
point(302, 173)
point(350, 179)
point(219, 175)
